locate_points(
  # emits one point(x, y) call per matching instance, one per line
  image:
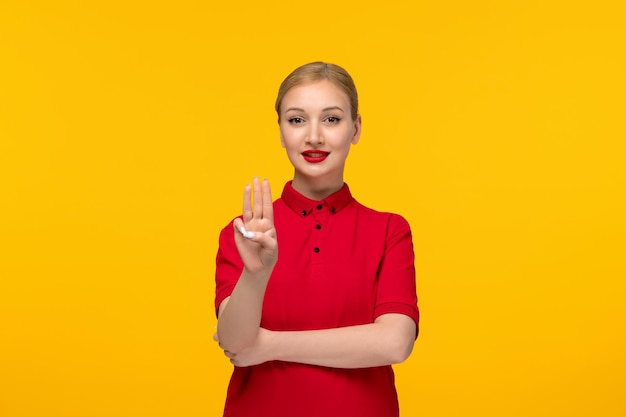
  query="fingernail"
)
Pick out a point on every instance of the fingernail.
point(245, 233)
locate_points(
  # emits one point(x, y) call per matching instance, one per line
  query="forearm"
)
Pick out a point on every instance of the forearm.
point(387, 341)
point(240, 319)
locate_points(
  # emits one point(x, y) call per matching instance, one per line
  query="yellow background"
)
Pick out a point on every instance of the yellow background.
point(128, 129)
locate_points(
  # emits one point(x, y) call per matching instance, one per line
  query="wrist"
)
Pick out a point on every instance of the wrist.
point(261, 276)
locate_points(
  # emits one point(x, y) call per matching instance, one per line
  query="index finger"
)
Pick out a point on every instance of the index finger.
point(268, 206)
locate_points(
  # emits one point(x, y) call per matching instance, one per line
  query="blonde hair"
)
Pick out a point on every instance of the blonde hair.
point(317, 71)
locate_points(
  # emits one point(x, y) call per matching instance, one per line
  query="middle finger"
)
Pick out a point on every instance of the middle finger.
point(258, 199)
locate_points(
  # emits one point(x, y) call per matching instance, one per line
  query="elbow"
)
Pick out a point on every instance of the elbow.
point(228, 347)
point(400, 335)
point(229, 344)
point(232, 348)
point(400, 351)
point(401, 345)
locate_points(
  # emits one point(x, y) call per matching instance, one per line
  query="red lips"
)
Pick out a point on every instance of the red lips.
point(314, 156)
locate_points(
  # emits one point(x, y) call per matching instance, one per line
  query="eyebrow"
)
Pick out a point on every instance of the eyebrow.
point(324, 109)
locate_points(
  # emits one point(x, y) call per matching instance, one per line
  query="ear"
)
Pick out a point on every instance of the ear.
point(357, 130)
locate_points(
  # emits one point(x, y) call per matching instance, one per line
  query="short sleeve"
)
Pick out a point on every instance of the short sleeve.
point(397, 291)
point(228, 265)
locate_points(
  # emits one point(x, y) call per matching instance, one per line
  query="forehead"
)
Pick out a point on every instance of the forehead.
point(322, 93)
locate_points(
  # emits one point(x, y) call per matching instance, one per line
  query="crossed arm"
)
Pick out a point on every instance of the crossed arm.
point(388, 340)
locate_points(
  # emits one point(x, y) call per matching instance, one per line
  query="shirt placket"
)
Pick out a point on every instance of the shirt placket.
point(319, 217)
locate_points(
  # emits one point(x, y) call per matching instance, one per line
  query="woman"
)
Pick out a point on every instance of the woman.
point(315, 292)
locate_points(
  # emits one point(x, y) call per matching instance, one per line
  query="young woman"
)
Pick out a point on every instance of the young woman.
point(315, 293)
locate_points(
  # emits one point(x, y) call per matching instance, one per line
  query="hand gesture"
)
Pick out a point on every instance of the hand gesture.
point(255, 235)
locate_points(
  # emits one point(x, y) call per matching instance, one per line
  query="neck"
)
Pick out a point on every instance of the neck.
point(316, 189)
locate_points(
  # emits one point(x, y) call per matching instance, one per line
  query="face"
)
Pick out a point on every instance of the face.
point(317, 130)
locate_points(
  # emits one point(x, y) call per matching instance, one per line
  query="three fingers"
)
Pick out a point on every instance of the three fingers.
point(261, 209)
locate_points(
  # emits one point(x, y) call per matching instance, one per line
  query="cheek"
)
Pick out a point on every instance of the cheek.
point(290, 139)
point(284, 137)
point(343, 141)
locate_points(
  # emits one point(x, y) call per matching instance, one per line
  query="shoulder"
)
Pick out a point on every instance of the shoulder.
point(227, 229)
point(393, 221)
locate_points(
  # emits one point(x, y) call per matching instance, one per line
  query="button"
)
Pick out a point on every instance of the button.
point(316, 250)
point(318, 226)
point(319, 206)
point(304, 212)
point(332, 210)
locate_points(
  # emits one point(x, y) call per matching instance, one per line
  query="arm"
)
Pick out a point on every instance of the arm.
point(240, 314)
point(387, 341)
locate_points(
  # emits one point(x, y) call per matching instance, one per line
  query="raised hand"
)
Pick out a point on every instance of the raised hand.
point(255, 235)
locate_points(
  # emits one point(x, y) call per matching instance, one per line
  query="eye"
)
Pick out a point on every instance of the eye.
point(333, 119)
point(295, 120)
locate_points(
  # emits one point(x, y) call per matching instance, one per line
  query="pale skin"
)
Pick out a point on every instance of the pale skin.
point(314, 116)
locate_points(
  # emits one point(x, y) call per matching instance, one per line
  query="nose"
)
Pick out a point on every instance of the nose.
point(315, 136)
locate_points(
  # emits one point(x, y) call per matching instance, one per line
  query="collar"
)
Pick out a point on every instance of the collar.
point(304, 205)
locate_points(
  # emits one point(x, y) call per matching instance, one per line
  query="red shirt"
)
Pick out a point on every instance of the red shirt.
point(339, 264)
